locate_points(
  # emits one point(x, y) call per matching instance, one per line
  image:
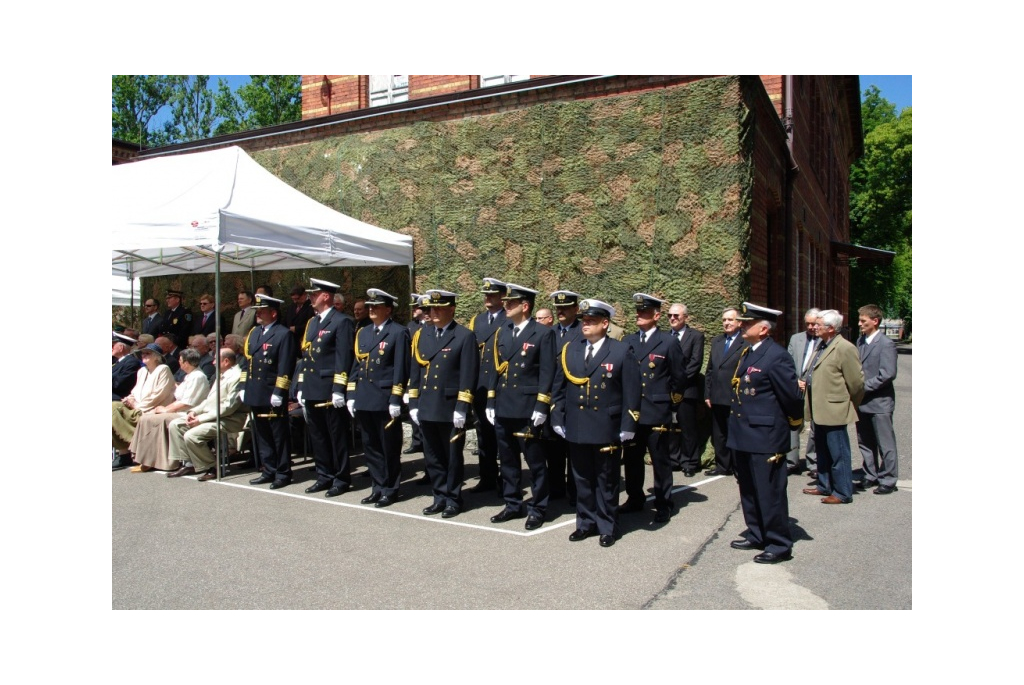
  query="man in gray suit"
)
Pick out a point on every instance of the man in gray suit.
point(875, 435)
point(802, 347)
point(245, 317)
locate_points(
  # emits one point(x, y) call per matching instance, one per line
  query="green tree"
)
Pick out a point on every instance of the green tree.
point(135, 100)
point(881, 197)
point(264, 101)
point(191, 109)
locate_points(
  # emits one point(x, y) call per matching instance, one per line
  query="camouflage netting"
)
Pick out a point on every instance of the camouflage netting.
point(607, 197)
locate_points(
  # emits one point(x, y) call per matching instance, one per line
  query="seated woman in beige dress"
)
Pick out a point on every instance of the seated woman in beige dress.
point(149, 444)
point(154, 386)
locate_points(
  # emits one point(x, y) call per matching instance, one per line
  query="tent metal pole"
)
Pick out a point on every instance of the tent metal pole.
point(216, 324)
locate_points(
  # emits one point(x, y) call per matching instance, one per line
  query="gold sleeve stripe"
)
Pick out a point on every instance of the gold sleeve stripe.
point(397, 390)
point(283, 382)
point(546, 399)
point(491, 394)
point(414, 393)
point(634, 414)
point(676, 398)
point(302, 377)
point(351, 387)
point(243, 377)
point(465, 396)
point(795, 422)
point(341, 378)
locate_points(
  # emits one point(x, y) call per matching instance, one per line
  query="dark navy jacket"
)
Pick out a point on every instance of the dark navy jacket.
point(380, 368)
point(326, 356)
point(662, 376)
point(270, 360)
point(525, 371)
point(766, 401)
point(444, 372)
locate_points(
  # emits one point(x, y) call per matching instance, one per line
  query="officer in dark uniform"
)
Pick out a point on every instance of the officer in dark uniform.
point(596, 406)
point(375, 388)
point(177, 319)
point(441, 382)
point(556, 449)
point(124, 370)
point(519, 401)
point(766, 406)
point(484, 325)
point(297, 315)
point(326, 360)
point(662, 376)
point(266, 378)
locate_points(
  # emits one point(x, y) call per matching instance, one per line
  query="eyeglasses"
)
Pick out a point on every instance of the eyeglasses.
point(675, 316)
point(150, 305)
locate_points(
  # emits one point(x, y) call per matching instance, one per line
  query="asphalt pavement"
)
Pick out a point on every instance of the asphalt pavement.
point(182, 544)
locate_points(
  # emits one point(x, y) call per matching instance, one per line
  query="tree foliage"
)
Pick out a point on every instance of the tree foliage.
point(135, 100)
point(264, 101)
point(881, 201)
point(191, 104)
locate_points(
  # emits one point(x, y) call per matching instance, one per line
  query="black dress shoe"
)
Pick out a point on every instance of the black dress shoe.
point(483, 486)
point(370, 499)
point(794, 471)
point(689, 474)
point(279, 484)
point(449, 512)
point(865, 484)
point(122, 461)
point(572, 503)
point(885, 489)
point(412, 450)
point(338, 490)
point(386, 501)
point(813, 473)
point(534, 522)
point(607, 540)
point(578, 535)
point(772, 558)
point(631, 505)
point(743, 544)
point(662, 516)
point(317, 487)
point(717, 472)
point(264, 478)
point(425, 480)
point(434, 509)
point(183, 471)
point(506, 514)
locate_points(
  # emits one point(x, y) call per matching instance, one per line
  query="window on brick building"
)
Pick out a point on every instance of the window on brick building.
point(387, 89)
point(501, 80)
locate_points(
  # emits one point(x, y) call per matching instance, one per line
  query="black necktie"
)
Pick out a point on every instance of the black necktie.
point(643, 338)
point(590, 357)
point(728, 341)
point(561, 332)
point(439, 332)
point(490, 318)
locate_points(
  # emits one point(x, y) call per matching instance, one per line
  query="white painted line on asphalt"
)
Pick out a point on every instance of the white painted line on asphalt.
point(548, 526)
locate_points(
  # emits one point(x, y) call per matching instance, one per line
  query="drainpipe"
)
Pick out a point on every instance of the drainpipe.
point(792, 291)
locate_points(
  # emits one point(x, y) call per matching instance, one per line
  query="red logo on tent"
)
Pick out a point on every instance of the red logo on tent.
point(195, 224)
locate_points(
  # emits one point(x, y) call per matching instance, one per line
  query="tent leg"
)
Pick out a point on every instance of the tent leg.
point(216, 327)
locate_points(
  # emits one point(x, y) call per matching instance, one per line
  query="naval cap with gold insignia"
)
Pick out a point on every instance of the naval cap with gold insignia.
point(439, 298)
point(171, 292)
point(593, 307)
point(267, 301)
point(492, 286)
point(415, 300)
point(320, 285)
point(519, 292)
point(645, 301)
point(565, 298)
point(378, 296)
point(755, 312)
point(121, 338)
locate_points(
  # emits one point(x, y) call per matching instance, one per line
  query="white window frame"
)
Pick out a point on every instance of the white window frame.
point(386, 89)
point(488, 81)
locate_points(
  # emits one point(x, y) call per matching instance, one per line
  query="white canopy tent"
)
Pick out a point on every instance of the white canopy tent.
point(123, 292)
point(175, 215)
point(217, 211)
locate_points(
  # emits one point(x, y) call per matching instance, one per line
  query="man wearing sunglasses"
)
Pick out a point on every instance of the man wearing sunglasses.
point(683, 445)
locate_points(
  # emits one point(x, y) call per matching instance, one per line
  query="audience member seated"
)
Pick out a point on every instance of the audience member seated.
point(189, 435)
point(149, 444)
point(154, 387)
point(125, 367)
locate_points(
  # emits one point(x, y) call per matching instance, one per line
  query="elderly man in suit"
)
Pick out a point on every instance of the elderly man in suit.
point(683, 445)
point(875, 435)
point(205, 322)
point(802, 347)
point(766, 406)
point(124, 370)
point(725, 353)
point(833, 394)
point(245, 317)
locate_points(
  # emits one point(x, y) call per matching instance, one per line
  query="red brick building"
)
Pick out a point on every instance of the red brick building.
point(802, 134)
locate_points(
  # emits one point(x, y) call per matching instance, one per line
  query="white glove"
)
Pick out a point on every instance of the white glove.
point(351, 407)
point(626, 436)
point(275, 400)
point(405, 398)
point(459, 420)
point(560, 430)
point(538, 418)
point(338, 400)
point(298, 398)
point(675, 418)
point(414, 416)
point(489, 413)
point(241, 396)
point(394, 410)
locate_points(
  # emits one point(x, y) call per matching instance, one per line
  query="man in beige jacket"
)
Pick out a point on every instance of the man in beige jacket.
point(833, 394)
